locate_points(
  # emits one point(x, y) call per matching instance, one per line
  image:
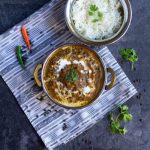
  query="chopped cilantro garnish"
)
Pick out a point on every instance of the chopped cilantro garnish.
point(93, 7)
point(100, 15)
point(91, 13)
point(95, 20)
point(71, 75)
point(95, 13)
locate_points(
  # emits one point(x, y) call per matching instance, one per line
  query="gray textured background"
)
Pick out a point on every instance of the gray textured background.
point(16, 133)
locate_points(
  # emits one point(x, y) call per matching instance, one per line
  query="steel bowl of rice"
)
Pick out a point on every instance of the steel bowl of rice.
point(98, 22)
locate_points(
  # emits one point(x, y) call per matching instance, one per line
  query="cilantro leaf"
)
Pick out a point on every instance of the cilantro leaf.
point(71, 75)
point(95, 20)
point(124, 114)
point(116, 129)
point(115, 126)
point(123, 131)
point(93, 7)
point(100, 15)
point(129, 54)
point(93, 11)
point(127, 117)
point(124, 108)
point(90, 13)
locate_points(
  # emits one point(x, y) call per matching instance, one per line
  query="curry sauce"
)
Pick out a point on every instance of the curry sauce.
point(73, 76)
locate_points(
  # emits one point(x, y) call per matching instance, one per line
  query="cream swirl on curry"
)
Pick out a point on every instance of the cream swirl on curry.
point(73, 76)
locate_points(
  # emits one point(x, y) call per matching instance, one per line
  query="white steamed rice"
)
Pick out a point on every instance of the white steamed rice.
point(106, 28)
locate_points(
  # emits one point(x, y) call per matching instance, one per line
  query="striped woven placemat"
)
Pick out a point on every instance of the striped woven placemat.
point(55, 125)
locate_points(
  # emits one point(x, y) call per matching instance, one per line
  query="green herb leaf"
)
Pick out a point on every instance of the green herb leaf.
point(93, 7)
point(95, 20)
point(100, 15)
point(124, 108)
point(71, 75)
point(115, 126)
point(124, 114)
point(122, 131)
point(127, 117)
point(129, 54)
point(116, 129)
point(91, 13)
point(115, 121)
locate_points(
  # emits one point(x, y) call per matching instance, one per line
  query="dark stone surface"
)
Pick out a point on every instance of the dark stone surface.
point(16, 133)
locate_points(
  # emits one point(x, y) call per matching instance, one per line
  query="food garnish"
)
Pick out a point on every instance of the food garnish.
point(20, 57)
point(72, 75)
point(26, 37)
point(93, 11)
point(130, 55)
point(93, 8)
point(95, 20)
point(125, 116)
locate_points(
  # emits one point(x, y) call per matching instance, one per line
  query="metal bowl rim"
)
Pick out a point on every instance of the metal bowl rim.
point(100, 92)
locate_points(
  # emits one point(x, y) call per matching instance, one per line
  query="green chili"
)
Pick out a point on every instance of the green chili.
point(20, 57)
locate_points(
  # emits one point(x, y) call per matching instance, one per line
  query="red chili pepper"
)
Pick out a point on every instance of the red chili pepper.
point(26, 37)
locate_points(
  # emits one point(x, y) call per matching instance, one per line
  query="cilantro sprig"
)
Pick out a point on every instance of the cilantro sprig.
point(93, 11)
point(130, 55)
point(115, 126)
point(71, 75)
point(93, 7)
point(124, 115)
